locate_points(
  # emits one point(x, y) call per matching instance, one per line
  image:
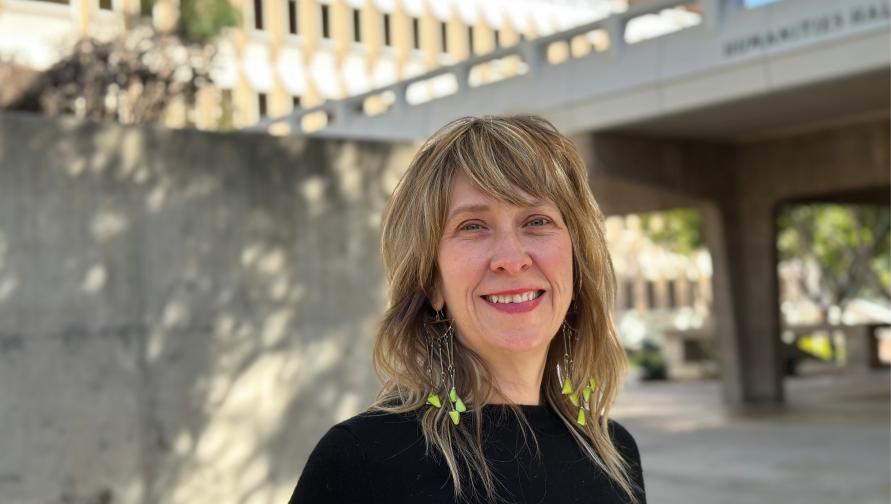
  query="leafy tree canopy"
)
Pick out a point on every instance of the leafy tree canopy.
point(679, 230)
point(849, 244)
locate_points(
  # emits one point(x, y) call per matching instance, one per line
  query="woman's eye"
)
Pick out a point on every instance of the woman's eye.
point(539, 221)
point(470, 226)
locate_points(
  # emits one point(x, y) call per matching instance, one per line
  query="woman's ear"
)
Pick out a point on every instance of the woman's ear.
point(437, 301)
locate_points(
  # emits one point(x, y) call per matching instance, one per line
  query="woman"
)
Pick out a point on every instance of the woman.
point(498, 351)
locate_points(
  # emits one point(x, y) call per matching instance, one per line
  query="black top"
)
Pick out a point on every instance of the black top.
point(380, 457)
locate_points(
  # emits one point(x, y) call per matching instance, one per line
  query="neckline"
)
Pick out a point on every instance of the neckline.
point(541, 417)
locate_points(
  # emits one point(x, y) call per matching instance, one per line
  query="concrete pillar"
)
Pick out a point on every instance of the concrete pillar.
point(459, 48)
point(742, 242)
point(373, 30)
point(165, 14)
point(430, 46)
point(82, 10)
point(275, 22)
point(400, 28)
point(861, 348)
point(309, 23)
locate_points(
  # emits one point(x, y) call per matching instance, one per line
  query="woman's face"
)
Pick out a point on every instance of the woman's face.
point(505, 271)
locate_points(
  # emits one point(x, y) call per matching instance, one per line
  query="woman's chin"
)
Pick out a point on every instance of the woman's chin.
point(520, 343)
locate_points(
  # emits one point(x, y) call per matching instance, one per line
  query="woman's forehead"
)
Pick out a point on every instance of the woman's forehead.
point(468, 197)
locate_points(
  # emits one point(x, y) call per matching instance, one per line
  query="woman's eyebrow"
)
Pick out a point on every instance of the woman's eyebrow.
point(470, 208)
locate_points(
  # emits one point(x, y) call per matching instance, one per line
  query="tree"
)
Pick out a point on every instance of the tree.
point(849, 247)
point(134, 77)
point(678, 230)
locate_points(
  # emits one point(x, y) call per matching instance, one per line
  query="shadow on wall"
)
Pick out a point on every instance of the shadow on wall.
point(182, 314)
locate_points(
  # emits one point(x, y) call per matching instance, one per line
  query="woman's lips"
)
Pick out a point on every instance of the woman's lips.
point(521, 307)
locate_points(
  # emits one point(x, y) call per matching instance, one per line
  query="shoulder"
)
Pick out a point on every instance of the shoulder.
point(624, 442)
point(375, 428)
point(627, 448)
point(622, 438)
point(367, 432)
point(355, 450)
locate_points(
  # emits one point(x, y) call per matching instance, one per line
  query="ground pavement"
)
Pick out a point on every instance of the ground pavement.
point(828, 445)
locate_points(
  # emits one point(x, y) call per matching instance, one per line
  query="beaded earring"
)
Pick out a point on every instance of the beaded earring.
point(442, 344)
point(583, 403)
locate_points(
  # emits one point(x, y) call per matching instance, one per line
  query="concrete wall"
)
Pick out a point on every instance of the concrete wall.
point(182, 314)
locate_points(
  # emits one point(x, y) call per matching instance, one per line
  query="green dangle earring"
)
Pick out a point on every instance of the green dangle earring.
point(436, 378)
point(583, 403)
point(444, 344)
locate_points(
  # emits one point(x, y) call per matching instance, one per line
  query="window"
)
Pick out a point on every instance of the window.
point(671, 287)
point(261, 105)
point(651, 295)
point(357, 26)
point(292, 17)
point(105, 4)
point(470, 40)
point(295, 102)
point(415, 33)
point(326, 26)
point(444, 32)
point(387, 40)
point(693, 351)
point(497, 35)
point(258, 14)
point(629, 294)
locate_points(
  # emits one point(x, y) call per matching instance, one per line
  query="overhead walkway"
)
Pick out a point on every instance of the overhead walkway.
point(806, 58)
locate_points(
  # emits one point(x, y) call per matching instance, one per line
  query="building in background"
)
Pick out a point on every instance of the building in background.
point(298, 53)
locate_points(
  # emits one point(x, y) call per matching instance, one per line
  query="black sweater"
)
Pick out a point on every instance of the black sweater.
point(380, 458)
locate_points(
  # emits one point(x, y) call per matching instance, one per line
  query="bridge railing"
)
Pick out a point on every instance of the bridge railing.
point(523, 60)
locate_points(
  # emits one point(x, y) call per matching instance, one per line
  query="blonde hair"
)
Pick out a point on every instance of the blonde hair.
point(503, 156)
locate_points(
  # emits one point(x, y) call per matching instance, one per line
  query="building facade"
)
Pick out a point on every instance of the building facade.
point(296, 53)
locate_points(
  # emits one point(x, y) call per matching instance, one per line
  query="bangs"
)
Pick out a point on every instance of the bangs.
point(506, 160)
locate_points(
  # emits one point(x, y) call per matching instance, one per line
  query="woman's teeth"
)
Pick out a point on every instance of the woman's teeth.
point(517, 298)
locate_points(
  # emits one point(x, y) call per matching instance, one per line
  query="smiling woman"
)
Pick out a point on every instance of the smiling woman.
point(498, 345)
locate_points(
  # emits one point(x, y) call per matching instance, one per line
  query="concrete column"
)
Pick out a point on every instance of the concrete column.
point(275, 22)
point(206, 108)
point(309, 21)
point(130, 11)
point(82, 10)
point(400, 28)
point(242, 112)
point(742, 242)
point(483, 43)
point(861, 348)
point(459, 48)
point(165, 14)
point(429, 25)
point(510, 36)
point(342, 34)
point(373, 28)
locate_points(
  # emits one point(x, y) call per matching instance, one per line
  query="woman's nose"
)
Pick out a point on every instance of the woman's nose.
point(509, 254)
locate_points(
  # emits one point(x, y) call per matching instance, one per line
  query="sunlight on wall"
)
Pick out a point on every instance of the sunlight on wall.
point(348, 169)
point(95, 279)
point(313, 191)
point(107, 224)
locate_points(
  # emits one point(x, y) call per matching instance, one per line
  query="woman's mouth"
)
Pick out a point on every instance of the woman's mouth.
point(514, 302)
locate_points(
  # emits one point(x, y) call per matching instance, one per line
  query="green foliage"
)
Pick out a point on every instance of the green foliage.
point(679, 230)
point(851, 246)
point(202, 20)
point(650, 360)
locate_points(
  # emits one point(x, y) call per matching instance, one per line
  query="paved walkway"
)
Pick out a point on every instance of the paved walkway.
point(828, 444)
